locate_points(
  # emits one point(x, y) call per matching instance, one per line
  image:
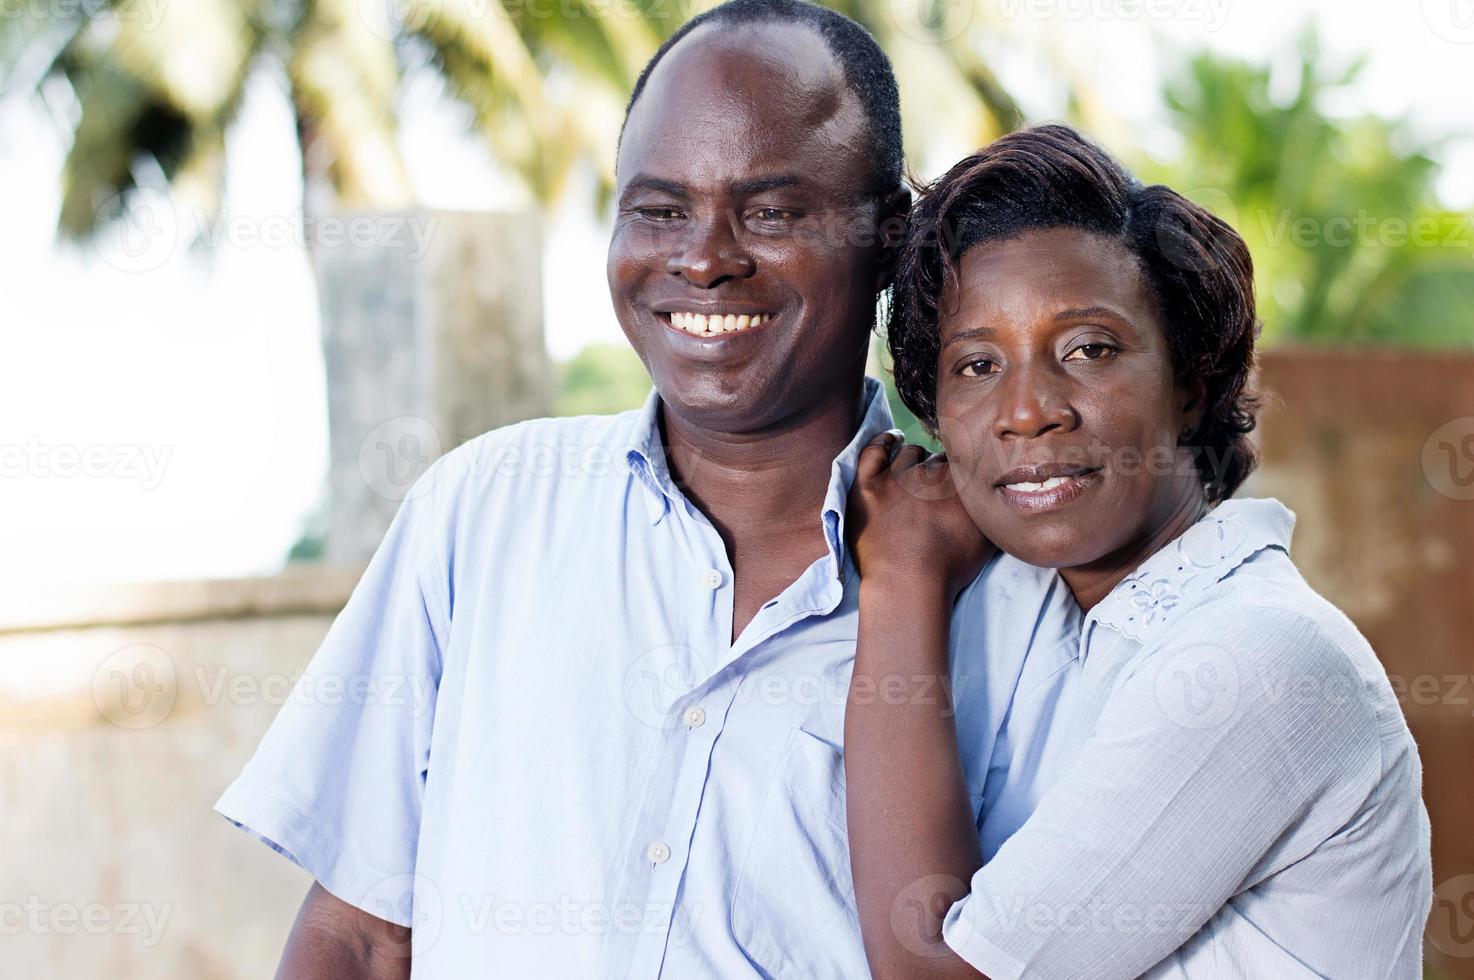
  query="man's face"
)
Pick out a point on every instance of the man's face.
point(745, 258)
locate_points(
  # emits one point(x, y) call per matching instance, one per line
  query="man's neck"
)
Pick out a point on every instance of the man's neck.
point(758, 483)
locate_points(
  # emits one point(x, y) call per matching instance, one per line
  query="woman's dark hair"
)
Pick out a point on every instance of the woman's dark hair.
point(1197, 267)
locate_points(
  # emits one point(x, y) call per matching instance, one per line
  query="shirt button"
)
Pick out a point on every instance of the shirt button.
point(712, 578)
point(658, 853)
point(694, 717)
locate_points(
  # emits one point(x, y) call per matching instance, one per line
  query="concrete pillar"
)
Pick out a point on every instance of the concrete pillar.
point(432, 333)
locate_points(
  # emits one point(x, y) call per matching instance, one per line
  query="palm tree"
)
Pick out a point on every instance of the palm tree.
point(157, 84)
point(1349, 241)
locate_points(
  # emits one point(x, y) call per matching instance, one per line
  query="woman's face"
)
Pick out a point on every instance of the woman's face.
point(1056, 400)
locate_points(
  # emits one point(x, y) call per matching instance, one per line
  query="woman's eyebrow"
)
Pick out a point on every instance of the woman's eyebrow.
point(1086, 312)
point(968, 334)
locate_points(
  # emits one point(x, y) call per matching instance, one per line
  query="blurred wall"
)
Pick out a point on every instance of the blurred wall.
point(123, 714)
point(1374, 451)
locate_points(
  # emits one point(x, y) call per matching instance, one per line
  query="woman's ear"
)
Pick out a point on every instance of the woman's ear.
point(891, 218)
point(1191, 403)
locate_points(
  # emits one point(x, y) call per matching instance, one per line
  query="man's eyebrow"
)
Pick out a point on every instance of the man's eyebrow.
point(747, 188)
point(647, 182)
point(741, 188)
point(985, 333)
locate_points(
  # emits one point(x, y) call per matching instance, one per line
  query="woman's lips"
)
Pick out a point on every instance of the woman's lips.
point(1050, 494)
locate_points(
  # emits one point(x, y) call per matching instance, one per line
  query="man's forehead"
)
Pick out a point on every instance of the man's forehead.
point(731, 101)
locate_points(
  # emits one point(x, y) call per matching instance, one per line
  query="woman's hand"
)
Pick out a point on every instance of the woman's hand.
point(905, 522)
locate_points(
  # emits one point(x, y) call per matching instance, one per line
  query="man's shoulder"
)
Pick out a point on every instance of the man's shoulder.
point(554, 431)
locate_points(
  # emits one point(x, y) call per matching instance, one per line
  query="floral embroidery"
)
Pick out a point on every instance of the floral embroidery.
point(1152, 602)
point(1203, 555)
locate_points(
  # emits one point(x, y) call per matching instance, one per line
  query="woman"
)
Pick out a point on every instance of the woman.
point(1239, 795)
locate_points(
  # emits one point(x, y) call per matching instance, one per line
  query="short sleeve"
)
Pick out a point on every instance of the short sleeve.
point(336, 784)
point(1212, 765)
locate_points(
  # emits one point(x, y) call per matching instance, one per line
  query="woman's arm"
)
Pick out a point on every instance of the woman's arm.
point(913, 840)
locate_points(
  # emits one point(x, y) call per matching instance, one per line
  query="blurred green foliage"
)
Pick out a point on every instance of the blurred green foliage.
point(1350, 242)
point(600, 379)
point(156, 86)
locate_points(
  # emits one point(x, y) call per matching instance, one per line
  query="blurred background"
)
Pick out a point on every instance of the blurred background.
point(261, 261)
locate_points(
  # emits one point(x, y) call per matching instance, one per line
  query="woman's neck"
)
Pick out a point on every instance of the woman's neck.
point(1092, 583)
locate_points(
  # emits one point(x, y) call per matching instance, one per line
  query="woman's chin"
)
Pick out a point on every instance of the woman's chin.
point(1048, 550)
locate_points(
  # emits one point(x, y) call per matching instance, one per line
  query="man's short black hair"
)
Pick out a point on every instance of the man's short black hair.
point(866, 68)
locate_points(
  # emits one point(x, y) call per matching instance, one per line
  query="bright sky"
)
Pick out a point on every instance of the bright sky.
point(165, 418)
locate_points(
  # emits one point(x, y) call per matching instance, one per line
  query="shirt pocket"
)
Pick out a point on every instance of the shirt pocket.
point(793, 910)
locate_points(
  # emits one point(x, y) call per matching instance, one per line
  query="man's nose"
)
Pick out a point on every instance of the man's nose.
point(1034, 401)
point(712, 254)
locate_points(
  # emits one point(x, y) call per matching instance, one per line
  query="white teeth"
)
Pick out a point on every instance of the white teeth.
point(1049, 484)
point(711, 326)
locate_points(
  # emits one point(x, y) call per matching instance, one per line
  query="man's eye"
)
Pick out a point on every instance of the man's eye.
point(773, 216)
point(661, 214)
point(977, 367)
point(1090, 352)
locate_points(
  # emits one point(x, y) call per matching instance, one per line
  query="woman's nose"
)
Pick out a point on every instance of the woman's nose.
point(1034, 402)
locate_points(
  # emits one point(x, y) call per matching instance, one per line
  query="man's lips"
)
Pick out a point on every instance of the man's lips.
point(715, 322)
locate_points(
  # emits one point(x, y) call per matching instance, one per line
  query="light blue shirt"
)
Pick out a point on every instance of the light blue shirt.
point(530, 736)
point(1236, 793)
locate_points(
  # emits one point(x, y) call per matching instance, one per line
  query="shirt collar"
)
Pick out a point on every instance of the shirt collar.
point(876, 418)
point(645, 457)
point(1154, 595)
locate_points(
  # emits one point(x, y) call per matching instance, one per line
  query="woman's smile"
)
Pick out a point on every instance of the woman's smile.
point(1037, 492)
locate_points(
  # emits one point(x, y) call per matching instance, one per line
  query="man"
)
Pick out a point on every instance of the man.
point(629, 639)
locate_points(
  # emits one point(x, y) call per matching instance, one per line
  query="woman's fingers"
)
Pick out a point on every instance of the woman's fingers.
point(906, 457)
point(876, 455)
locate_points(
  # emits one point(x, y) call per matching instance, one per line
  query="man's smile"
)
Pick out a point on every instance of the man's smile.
point(715, 322)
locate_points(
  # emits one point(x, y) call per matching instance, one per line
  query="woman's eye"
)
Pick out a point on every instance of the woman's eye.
point(1090, 352)
point(977, 367)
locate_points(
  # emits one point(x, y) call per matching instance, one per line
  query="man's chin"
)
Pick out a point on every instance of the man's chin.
point(718, 401)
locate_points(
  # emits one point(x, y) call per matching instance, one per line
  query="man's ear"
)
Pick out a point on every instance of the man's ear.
point(891, 218)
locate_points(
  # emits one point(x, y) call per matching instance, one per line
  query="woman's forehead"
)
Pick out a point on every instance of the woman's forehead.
point(1041, 272)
